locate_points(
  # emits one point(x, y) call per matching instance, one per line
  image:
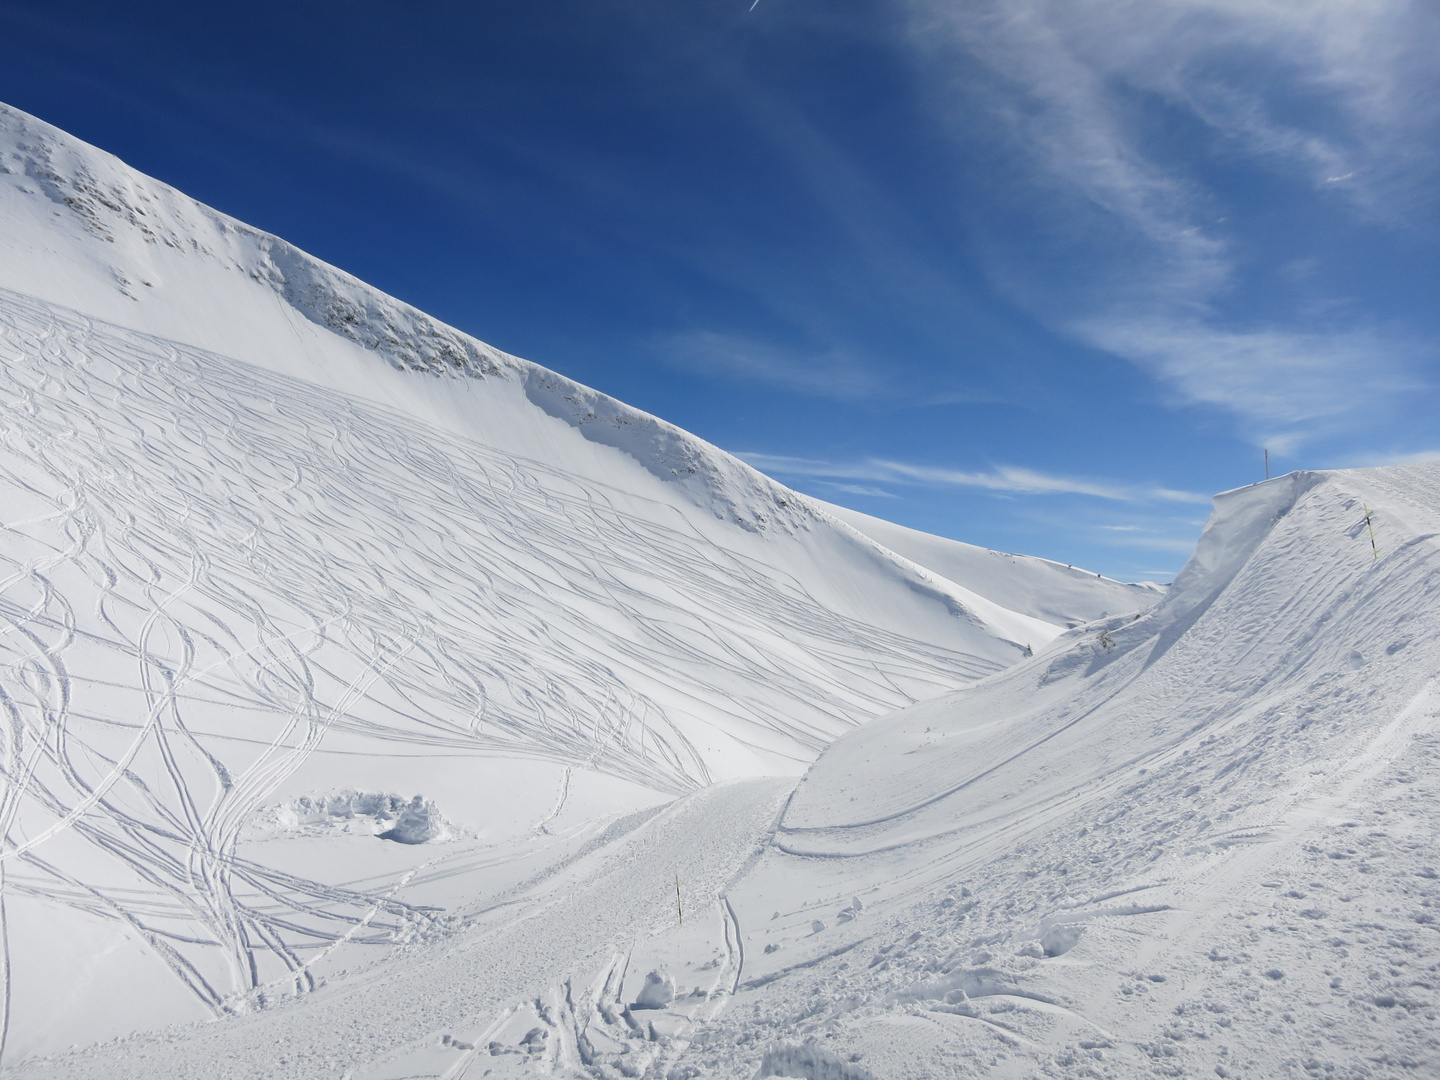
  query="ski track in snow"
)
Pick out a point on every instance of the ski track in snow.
point(1213, 855)
point(210, 569)
point(1200, 841)
point(563, 962)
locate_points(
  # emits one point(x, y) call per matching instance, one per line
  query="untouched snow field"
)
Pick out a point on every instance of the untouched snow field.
point(380, 706)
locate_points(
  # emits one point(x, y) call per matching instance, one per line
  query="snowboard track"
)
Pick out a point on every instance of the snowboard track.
point(251, 565)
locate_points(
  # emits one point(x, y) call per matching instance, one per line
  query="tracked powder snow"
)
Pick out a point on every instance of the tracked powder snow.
point(379, 705)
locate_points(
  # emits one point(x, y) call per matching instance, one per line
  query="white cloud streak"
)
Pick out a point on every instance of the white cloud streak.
point(1066, 80)
point(865, 490)
point(834, 374)
point(1282, 381)
point(1404, 457)
point(1009, 479)
point(1178, 544)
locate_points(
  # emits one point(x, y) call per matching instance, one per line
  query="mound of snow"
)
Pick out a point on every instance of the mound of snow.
point(416, 820)
point(1199, 838)
point(658, 991)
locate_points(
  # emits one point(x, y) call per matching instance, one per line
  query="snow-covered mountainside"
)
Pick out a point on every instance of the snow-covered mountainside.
point(1201, 841)
point(1051, 591)
point(377, 705)
point(1197, 842)
point(327, 625)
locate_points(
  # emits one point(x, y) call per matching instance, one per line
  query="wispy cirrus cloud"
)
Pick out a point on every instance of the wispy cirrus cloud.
point(842, 374)
point(1284, 382)
point(1007, 479)
point(1337, 96)
point(832, 373)
point(1178, 544)
point(866, 490)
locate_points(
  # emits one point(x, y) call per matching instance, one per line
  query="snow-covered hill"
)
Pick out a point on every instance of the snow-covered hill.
point(377, 705)
point(1197, 842)
point(1059, 594)
point(288, 566)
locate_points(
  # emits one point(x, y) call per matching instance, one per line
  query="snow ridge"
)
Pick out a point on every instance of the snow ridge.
point(128, 211)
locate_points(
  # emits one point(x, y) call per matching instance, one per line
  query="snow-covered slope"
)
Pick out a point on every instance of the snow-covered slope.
point(1200, 842)
point(288, 565)
point(1046, 590)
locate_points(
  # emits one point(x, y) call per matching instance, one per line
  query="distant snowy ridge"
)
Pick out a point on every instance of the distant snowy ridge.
point(1040, 588)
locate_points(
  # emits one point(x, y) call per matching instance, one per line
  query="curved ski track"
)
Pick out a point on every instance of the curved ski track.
point(208, 569)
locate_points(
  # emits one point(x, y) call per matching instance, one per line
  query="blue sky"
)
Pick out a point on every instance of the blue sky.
point(1037, 274)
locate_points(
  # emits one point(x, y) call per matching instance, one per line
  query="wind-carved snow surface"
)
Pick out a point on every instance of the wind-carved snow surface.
point(270, 535)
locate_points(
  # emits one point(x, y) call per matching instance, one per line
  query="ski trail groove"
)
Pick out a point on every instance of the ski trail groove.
point(197, 549)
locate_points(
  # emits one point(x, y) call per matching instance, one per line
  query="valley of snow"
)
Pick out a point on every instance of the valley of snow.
point(379, 705)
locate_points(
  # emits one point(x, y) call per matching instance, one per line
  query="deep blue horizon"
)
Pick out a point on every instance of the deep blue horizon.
point(1037, 276)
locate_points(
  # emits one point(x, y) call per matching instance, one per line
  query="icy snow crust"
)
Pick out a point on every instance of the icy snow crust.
point(270, 536)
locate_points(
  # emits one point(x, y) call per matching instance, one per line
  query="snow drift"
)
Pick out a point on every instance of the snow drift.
point(1195, 841)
